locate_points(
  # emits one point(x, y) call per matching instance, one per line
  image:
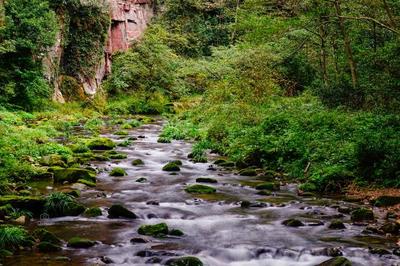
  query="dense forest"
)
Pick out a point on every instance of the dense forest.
point(304, 92)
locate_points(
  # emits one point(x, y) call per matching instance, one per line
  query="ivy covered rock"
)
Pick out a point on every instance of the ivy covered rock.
point(101, 144)
point(200, 189)
point(184, 261)
point(156, 230)
point(78, 242)
point(72, 175)
point(119, 211)
point(53, 160)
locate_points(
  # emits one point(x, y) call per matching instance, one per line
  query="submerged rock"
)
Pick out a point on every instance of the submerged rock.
point(175, 232)
point(45, 236)
point(141, 180)
point(206, 180)
point(184, 261)
point(171, 167)
point(293, 223)
point(362, 214)
point(106, 260)
point(248, 172)
point(200, 189)
point(119, 211)
point(156, 230)
point(48, 247)
point(338, 261)
point(336, 224)
point(273, 186)
point(77, 242)
point(137, 162)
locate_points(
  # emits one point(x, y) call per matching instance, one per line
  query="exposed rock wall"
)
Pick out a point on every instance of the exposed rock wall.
point(129, 19)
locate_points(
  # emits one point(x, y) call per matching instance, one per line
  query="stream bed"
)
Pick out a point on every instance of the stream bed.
point(217, 229)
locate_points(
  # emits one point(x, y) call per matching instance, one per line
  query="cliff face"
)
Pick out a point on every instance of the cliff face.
point(129, 19)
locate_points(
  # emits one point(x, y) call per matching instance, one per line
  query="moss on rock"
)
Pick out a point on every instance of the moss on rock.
point(156, 230)
point(184, 261)
point(101, 144)
point(273, 186)
point(78, 242)
point(362, 214)
point(92, 212)
point(72, 175)
point(137, 162)
point(200, 189)
point(171, 167)
point(30, 203)
point(119, 211)
point(48, 247)
point(117, 171)
point(206, 180)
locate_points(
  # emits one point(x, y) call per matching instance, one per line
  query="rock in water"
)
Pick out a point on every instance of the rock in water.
point(171, 167)
point(200, 189)
point(292, 223)
point(184, 261)
point(101, 144)
point(362, 214)
point(48, 247)
point(119, 211)
point(338, 261)
point(156, 230)
point(77, 242)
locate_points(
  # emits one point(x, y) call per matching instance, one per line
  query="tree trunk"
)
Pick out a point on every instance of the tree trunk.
point(347, 44)
point(323, 55)
point(389, 13)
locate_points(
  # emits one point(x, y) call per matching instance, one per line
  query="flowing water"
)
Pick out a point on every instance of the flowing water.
point(217, 230)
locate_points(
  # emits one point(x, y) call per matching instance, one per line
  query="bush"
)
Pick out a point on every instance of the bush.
point(13, 237)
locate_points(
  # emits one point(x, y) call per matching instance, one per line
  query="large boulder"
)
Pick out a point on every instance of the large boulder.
point(72, 175)
point(53, 160)
point(119, 211)
point(171, 167)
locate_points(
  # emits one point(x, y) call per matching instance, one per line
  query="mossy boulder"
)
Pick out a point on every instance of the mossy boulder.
point(45, 236)
point(184, 261)
point(200, 189)
point(337, 261)
point(119, 211)
point(53, 160)
point(121, 133)
point(86, 182)
point(171, 167)
point(292, 223)
point(117, 171)
point(206, 180)
point(118, 156)
point(248, 172)
point(175, 232)
point(273, 186)
point(92, 212)
point(336, 225)
point(46, 247)
point(156, 230)
point(72, 175)
point(362, 214)
point(386, 201)
point(78, 242)
point(30, 203)
point(101, 144)
point(137, 162)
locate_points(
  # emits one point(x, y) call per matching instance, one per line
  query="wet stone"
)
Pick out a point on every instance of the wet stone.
point(293, 223)
point(379, 251)
point(106, 260)
point(119, 211)
point(336, 224)
point(138, 240)
point(338, 261)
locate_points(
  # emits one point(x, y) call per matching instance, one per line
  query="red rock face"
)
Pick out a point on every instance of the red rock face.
point(129, 20)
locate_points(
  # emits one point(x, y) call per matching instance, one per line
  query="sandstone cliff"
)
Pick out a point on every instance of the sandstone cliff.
point(129, 19)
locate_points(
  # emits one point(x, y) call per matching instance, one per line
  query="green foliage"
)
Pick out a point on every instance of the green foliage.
point(13, 237)
point(29, 30)
point(60, 204)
